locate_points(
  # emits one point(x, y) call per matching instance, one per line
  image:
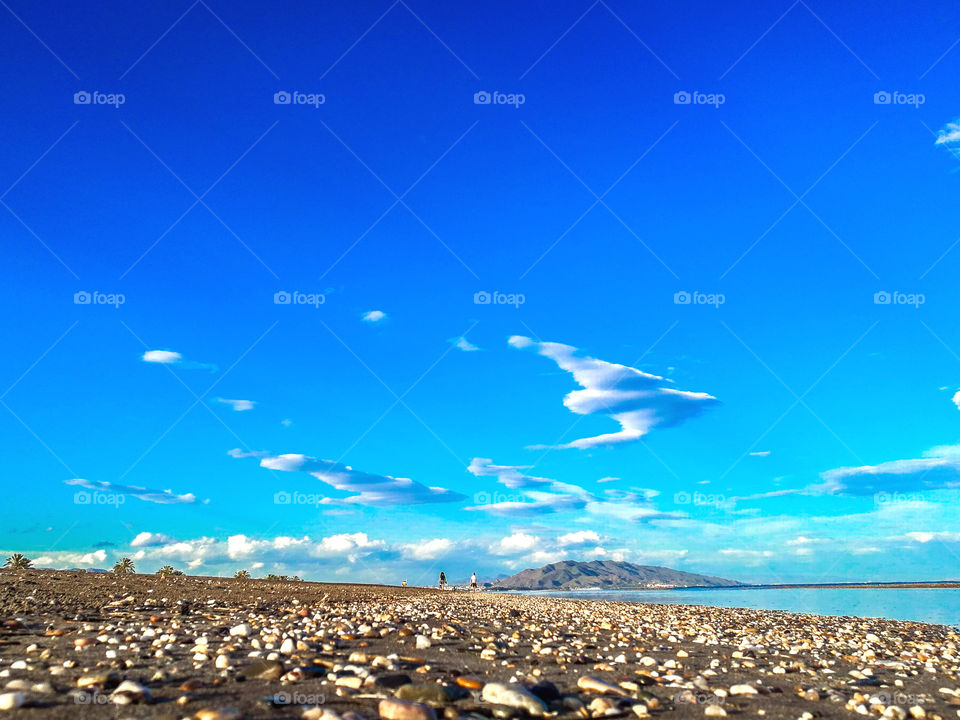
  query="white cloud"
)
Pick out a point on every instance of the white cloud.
point(369, 488)
point(579, 538)
point(949, 134)
point(238, 405)
point(374, 316)
point(519, 542)
point(166, 357)
point(943, 536)
point(462, 343)
point(637, 400)
point(910, 475)
point(427, 549)
point(149, 539)
point(164, 497)
point(956, 399)
point(760, 453)
point(61, 560)
point(170, 357)
point(532, 498)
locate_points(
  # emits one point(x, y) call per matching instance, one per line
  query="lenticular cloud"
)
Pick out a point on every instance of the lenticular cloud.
point(637, 400)
point(368, 488)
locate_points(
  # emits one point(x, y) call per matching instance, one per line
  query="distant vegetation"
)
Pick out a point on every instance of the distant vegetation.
point(125, 566)
point(18, 561)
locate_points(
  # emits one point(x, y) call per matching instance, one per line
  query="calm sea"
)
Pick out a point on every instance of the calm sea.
point(931, 605)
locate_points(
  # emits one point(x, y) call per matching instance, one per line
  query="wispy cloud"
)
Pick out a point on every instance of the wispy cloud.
point(637, 400)
point(171, 357)
point(461, 343)
point(163, 497)
point(369, 488)
point(238, 405)
point(540, 495)
point(150, 539)
point(949, 134)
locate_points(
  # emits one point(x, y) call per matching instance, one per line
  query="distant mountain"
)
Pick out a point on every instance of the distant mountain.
point(605, 574)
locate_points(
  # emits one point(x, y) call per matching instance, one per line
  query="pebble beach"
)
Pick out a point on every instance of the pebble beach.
point(78, 644)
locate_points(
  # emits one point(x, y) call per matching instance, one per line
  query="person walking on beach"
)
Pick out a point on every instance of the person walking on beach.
point(473, 580)
point(443, 580)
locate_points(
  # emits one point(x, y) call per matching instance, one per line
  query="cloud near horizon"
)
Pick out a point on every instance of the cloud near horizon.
point(539, 495)
point(369, 488)
point(637, 400)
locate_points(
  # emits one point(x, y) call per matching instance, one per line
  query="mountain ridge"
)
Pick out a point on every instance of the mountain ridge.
point(605, 574)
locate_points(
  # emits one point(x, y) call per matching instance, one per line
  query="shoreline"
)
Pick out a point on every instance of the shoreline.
point(937, 585)
point(225, 649)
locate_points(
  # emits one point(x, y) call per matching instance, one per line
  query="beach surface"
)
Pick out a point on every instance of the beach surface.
point(76, 644)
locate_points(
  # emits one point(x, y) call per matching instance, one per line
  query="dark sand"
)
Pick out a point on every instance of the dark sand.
point(666, 651)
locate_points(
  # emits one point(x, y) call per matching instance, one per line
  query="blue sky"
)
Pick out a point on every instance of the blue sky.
point(682, 292)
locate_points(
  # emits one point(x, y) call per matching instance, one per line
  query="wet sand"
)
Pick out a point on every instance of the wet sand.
point(92, 645)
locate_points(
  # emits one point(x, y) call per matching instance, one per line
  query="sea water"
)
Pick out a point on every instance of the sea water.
point(940, 606)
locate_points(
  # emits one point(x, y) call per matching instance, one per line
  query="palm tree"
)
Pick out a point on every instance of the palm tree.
point(166, 571)
point(124, 567)
point(241, 575)
point(18, 561)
